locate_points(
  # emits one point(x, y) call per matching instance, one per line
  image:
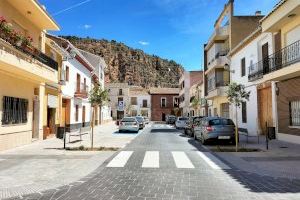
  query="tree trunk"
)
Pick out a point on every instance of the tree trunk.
point(236, 129)
point(100, 115)
point(93, 122)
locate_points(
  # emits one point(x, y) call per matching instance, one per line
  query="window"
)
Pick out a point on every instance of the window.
point(243, 67)
point(244, 112)
point(145, 103)
point(176, 102)
point(295, 113)
point(120, 92)
point(133, 113)
point(14, 110)
point(133, 100)
point(76, 113)
point(163, 102)
point(67, 73)
point(120, 99)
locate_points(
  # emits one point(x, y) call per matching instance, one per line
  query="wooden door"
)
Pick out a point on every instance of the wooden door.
point(265, 56)
point(78, 83)
point(265, 114)
point(83, 116)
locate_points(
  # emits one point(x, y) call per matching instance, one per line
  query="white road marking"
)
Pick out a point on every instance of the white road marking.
point(213, 161)
point(181, 160)
point(151, 159)
point(120, 160)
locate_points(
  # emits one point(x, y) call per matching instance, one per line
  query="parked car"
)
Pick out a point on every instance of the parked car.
point(170, 119)
point(181, 122)
point(215, 128)
point(141, 121)
point(147, 121)
point(129, 124)
point(192, 123)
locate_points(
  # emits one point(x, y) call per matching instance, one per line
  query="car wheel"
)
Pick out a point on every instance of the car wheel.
point(195, 136)
point(203, 141)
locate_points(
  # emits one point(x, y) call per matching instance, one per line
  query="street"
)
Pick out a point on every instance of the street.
point(162, 163)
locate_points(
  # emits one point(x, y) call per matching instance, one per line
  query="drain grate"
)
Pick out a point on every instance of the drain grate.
point(283, 147)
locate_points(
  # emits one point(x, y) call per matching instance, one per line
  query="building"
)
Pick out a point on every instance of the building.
point(25, 71)
point(102, 114)
point(229, 30)
point(196, 99)
point(140, 101)
point(186, 81)
point(119, 99)
point(164, 101)
point(76, 84)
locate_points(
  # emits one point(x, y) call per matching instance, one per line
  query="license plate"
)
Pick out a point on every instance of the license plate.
point(224, 137)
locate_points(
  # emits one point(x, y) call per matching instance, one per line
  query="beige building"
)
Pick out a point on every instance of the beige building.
point(229, 30)
point(119, 99)
point(25, 71)
point(140, 101)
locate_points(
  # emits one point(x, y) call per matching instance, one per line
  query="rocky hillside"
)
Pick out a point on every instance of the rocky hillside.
point(125, 64)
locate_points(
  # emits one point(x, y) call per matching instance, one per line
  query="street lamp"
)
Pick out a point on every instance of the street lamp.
point(227, 68)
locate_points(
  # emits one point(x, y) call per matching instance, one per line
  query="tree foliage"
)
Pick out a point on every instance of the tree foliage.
point(98, 96)
point(236, 94)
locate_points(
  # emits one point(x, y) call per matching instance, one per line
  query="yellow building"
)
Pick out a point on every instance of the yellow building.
point(25, 71)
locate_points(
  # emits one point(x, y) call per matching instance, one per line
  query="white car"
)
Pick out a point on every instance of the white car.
point(181, 122)
point(129, 124)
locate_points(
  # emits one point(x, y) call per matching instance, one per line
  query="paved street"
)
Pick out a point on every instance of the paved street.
point(161, 163)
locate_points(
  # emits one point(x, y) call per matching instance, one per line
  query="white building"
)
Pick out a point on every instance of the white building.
point(103, 114)
point(140, 101)
point(244, 57)
point(77, 82)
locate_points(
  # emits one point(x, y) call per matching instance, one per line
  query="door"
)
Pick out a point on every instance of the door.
point(35, 118)
point(83, 116)
point(163, 117)
point(265, 109)
point(278, 56)
point(78, 83)
point(265, 56)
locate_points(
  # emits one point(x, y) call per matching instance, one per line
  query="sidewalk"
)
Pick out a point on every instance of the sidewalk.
point(44, 164)
point(281, 160)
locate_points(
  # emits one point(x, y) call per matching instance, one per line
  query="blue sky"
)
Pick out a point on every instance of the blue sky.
point(172, 29)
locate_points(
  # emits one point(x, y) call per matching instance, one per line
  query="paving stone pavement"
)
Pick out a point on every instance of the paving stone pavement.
point(131, 181)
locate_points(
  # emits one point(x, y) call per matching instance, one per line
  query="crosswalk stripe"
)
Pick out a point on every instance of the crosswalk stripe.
point(181, 160)
point(120, 160)
point(151, 159)
point(213, 161)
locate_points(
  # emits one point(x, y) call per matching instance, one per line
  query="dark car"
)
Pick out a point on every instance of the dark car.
point(215, 128)
point(191, 124)
point(171, 119)
point(141, 121)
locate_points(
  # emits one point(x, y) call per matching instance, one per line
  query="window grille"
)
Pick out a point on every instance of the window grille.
point(295, 113)
point(14, 110)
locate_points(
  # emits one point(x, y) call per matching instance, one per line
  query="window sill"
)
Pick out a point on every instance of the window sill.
point(295, 127)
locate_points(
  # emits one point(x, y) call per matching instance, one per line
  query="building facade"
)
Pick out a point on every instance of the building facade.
point(229, 30)
point(24, 73)
point(118, 99)
point(164, 101)
point(140, 102)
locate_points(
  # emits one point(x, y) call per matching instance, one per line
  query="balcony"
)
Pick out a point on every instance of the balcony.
point(81, 91)
point(219, 60)
point(279, 65)
point(221, 33)
point(215, 89)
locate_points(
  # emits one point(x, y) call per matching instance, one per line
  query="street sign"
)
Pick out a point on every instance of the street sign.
point(120, 106)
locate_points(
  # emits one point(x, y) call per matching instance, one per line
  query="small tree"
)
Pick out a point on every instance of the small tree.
point(97, 97)
point(196, 104)
point(236, 94)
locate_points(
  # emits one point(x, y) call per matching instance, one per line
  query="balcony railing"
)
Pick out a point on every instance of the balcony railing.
point(81, 90)
point(29, 51)
point(221, 31)
point(215, 84)
point(283, 58)
point(217, 56)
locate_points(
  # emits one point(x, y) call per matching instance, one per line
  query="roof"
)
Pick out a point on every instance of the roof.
point(280, 3)
point(138, 91)
point(164, 90)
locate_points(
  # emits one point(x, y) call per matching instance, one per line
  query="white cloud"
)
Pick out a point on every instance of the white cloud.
point(87, 26)
point(144, 43)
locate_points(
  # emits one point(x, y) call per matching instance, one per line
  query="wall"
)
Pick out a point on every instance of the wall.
point(157, 110)
point(139, 105)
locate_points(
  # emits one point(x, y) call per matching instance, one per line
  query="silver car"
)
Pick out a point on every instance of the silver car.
point(181, 122)
point(215, 128)
point(141, 121)
point(129, 124)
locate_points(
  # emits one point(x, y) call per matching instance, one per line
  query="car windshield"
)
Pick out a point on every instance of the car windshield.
point(128, 119)
point(140, 119)
point(216, 122)
point(183, 118)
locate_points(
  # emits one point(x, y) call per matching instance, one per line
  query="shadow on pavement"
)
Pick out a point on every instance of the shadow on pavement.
point(164, 130)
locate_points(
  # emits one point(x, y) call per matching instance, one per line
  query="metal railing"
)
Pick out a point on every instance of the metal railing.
point(81, 89)
point(29, 51)
point(280, 59)
point(213, 84)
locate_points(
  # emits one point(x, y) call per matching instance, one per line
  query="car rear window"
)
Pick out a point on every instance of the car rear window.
point(140, 119)
point(197, 121)
point(128, 119)
point(215, 122)
point(182, 118)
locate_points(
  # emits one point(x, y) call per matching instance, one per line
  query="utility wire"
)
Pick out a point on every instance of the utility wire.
point(71, 7)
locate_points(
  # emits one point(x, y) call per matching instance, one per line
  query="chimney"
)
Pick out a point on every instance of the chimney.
point(258, 13)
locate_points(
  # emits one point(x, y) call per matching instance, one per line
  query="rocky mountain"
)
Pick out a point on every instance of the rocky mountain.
point(125, 64)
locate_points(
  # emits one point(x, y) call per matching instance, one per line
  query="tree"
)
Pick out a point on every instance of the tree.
point(196, 104)
point(236, 94)
point(97, 97)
